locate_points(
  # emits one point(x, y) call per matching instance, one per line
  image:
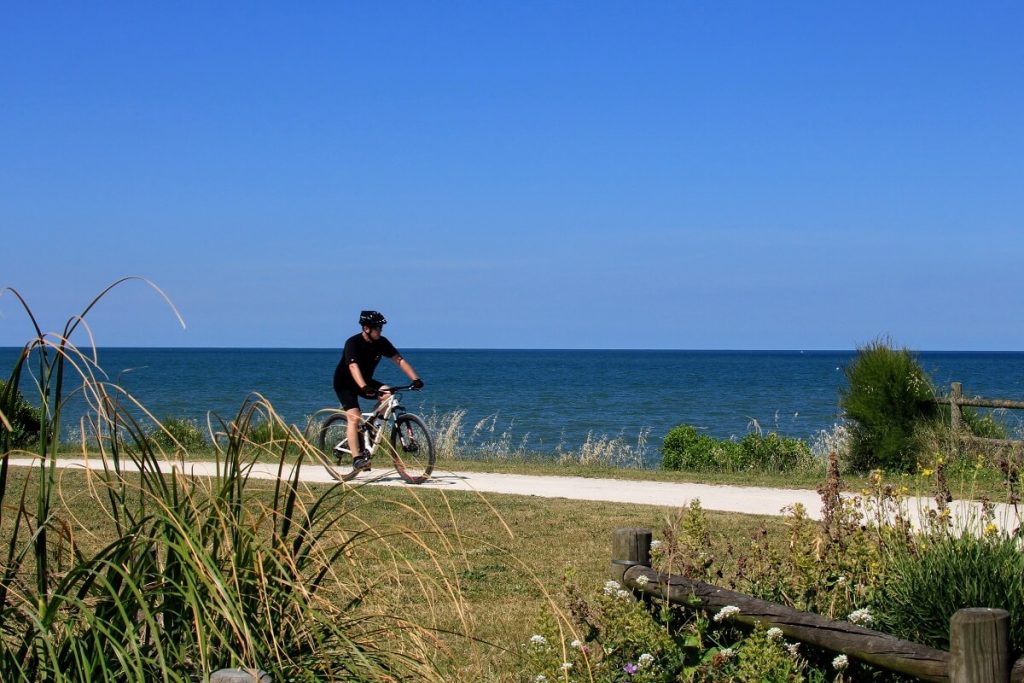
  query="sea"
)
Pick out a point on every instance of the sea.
point(544, 401)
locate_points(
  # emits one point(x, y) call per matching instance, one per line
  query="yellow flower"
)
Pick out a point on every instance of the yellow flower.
point(927, 472)
point(991, 529)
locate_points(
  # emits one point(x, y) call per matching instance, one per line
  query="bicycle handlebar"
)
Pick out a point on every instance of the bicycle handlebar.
point(393, 390)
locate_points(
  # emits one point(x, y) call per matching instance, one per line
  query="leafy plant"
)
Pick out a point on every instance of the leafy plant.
point(685, 448)
point(20, 421)
point(888, 396)
point(178, 433)
point(930, 580)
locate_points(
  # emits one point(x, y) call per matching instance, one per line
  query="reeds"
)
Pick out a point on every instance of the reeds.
point(172, 576)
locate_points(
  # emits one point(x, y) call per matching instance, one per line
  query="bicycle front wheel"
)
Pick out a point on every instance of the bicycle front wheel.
point(412, 449)
point(335, 453)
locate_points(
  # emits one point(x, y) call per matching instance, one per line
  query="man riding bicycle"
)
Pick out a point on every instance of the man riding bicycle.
point(353, 377)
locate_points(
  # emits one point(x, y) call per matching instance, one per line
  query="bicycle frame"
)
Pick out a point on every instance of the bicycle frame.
point(374, 424)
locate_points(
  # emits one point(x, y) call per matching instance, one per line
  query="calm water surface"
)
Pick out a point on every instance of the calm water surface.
point(548, 399)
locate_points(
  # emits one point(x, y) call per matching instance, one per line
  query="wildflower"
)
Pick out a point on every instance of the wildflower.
point(655, 546)
point(630, 668)
point(642, 580)
point(645, 660)
point(576, 645)
point(623, 595)
point(726, 612)
point(840, 662)
point(793, 649)
point(727, 653)
point(541, 678)
point(926, 472)
point(538, 640)
point(774, 633)
point(861, 617)
point(841, 581)
point(991, 529)
point(566, 666)
point(610, 587)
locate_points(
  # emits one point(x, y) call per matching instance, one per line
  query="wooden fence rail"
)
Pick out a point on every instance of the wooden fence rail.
point(956, 400)
point(979, 637)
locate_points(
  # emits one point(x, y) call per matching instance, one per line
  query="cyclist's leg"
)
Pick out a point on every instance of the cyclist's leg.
point(353, 416)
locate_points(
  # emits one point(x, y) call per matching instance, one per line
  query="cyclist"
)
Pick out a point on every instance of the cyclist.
point(354, 375)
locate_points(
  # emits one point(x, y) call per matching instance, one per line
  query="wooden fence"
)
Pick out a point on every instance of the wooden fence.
point(979, 637)
point(956, 400)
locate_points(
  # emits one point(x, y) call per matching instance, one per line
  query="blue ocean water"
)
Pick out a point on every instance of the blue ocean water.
point(548, 400)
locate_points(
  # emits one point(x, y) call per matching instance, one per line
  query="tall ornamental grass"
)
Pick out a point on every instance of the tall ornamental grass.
point(174, 577)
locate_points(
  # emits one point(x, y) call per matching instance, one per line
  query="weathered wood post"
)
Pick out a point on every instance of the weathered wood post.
point(629, 547)
point(979, 646)
point(956, 416)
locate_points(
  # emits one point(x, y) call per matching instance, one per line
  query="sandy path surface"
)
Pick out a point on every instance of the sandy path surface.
point(745, 499)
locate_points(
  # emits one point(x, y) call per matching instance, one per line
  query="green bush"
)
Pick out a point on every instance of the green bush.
point(888, 397)
point(24, 418)
point(773, 452)
point(684, 448)
point(179, 432)
point(928, 583)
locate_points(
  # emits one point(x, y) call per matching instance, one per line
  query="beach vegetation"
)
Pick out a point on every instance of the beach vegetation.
point(887, 399)
point(178, 434)
point(687, 448)
point(19, 419)
point(173, 577)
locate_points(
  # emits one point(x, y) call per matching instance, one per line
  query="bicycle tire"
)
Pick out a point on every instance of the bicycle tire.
point(332, 443)
point(412, 449)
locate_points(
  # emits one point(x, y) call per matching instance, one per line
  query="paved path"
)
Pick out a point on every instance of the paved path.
point(746, 499)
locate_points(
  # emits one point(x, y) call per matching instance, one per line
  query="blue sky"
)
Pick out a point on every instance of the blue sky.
point(728, 175)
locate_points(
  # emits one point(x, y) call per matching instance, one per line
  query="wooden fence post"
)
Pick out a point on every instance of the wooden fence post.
point(956, 417)
point(629, 547)
point(979, 646)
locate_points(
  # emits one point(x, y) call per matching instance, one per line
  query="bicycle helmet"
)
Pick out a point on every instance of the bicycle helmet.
point(372, 319)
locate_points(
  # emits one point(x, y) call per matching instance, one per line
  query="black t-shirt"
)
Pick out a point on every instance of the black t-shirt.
point(365, 354)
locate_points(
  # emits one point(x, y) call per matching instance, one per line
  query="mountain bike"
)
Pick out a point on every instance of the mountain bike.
point(408, 442)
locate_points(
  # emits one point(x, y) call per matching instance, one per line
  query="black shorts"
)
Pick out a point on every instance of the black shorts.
point(349, 395)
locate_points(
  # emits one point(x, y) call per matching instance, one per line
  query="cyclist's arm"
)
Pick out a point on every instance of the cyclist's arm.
point(357, 374)
point(405, 367)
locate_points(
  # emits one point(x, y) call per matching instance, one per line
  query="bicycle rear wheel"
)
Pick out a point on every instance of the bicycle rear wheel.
point(332, 443)
point(412, 449)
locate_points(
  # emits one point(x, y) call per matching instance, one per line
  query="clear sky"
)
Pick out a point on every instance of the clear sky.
point(726, 175)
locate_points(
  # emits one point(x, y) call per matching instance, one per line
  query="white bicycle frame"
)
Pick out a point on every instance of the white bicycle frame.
point(373, 424)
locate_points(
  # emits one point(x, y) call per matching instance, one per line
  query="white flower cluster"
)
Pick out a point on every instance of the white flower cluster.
point(727, 653)
point(793, 649)
point(840, 662)
point(538, 640)
point(861, 617)
point(576, 644)
point(541, 678)
point(726, 612)
point(611, 587)
point(645, 660)
point(566, 666)
point(642, 580)
point(655, 546)
point(623, 594)
point(774, 633)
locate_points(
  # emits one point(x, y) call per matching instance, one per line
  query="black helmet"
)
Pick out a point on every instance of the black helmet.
point(372, 319)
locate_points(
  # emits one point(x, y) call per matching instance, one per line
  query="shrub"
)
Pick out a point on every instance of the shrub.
point(684, 448)
point(773, 452)
point(178, 432)
point(24, 418)
point(888, 397)
point(928, 584)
